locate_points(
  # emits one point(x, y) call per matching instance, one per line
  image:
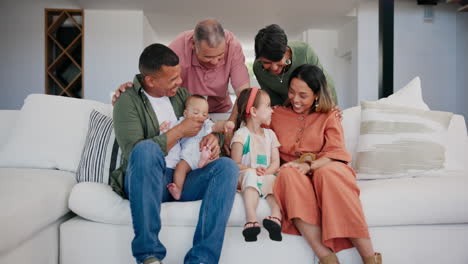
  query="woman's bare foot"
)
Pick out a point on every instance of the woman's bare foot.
point(175, 191)
point(204, 157)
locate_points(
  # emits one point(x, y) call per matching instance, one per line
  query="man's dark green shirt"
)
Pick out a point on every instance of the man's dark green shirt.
point(134, 121)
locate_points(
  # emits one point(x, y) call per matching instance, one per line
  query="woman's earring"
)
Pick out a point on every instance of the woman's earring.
point(316, 104)
point(287, 62)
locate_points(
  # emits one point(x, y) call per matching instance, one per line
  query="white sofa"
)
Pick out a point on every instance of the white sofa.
point(411, 220)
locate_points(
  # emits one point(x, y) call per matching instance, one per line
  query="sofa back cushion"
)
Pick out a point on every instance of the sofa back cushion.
point(7, 121)
point(397, 141)
point(409, 95)
point(101, 153)
point(50, 132)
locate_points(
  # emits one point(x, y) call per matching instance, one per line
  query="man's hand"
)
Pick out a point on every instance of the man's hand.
point(229, 126)
point(302, 167)
point(338, 112)
point(189, 127)
point(122, 88)
point(211, 141)
point(227, 142)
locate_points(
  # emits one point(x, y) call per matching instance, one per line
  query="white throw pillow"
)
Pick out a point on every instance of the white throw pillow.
point(50, 132)
point(410, 95)
point(397, 141)
point(101, 154)
point(98, 202)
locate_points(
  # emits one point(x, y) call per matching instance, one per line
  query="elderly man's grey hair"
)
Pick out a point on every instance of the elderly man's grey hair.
point(209, 30)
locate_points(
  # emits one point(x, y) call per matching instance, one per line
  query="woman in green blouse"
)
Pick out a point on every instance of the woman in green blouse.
point(276, 59)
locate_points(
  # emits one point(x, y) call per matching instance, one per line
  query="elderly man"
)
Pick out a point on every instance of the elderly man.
point(150, 157)
point(209, 57)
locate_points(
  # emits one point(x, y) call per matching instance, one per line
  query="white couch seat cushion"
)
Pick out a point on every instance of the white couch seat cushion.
point(419, 200)
point(31, 199)
point(97, 202)
point(404, 201)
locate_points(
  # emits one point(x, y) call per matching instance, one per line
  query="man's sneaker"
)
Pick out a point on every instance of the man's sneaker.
point(152, 260)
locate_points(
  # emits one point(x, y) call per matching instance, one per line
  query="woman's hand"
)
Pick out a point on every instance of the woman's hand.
point(122, 88)
point(303, 168)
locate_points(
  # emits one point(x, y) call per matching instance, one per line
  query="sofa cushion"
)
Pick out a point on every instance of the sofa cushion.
point(457, 147)
point(31, 199)
point(419, 200)
point(398, 141)
point(7, 121)
point(351, 125)
point(402, 201)
point(97, 202)
point(50, 133)
point(101, 153)
point(408, 95)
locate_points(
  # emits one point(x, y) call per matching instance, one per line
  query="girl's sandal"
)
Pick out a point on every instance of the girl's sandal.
point(250, 233)
point(273, 228)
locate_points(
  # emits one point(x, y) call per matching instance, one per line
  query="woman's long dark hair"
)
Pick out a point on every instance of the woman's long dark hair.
point(314, 77)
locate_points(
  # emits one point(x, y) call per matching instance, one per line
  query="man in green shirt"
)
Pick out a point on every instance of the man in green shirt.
point(150, 157)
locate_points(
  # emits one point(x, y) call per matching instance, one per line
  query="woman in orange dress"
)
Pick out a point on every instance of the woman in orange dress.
point(316, 188)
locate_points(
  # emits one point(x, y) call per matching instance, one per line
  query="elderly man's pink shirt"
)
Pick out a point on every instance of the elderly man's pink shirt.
point(211, 82)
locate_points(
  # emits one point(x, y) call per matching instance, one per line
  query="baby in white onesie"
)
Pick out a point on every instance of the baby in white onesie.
point(191, 157)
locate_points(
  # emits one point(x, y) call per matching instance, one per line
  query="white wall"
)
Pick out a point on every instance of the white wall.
point(435, 51)
point(325, 45)
point(367, 51)
point(462, 64)
point(113, 44)
point(22, 48)
point(347, 51)
point(149, 35)
point(427, 50)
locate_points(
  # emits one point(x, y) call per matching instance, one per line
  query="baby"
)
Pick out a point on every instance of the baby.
point(191, 158)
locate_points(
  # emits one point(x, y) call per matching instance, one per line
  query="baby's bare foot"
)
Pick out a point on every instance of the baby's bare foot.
point(174, 191)
point(204, 157)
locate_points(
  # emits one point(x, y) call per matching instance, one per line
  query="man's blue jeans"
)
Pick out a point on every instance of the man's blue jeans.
point(145, 185)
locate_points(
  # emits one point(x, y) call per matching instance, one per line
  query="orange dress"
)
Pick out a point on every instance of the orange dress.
point(330, 198)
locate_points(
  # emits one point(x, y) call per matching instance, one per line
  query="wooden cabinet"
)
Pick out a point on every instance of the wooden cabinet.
point(64, 31)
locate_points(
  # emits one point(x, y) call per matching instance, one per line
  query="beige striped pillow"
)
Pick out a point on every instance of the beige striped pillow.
point(398, 141)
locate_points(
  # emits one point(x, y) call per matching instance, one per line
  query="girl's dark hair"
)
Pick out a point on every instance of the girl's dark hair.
point(242, 101)
point(314, 77)
point(271, 43)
